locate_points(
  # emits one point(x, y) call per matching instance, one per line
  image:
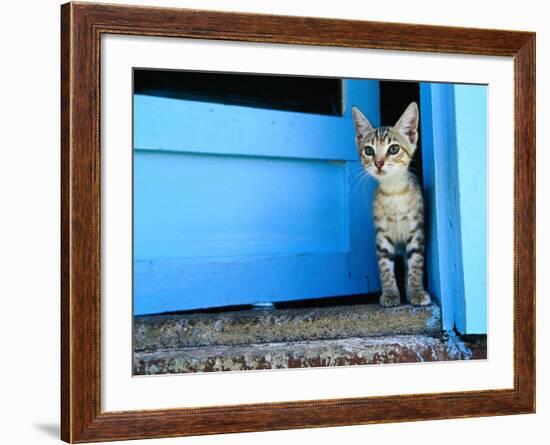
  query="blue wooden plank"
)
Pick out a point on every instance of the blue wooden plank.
point(471, 130)
point(200, 127)
point(163, 285)
point(440, 167)
point(203, 205)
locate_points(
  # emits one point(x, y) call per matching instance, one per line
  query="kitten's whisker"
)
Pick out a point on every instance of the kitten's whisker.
point(362, 181)
point(358, 174)
point(359, 178)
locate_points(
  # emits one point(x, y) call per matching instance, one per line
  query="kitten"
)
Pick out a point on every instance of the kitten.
point(398, 207)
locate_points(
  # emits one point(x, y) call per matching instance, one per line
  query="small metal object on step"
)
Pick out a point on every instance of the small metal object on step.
point(263, 306)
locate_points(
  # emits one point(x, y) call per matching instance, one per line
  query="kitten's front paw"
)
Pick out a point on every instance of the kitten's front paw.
point(390, 298)
point(420, 298)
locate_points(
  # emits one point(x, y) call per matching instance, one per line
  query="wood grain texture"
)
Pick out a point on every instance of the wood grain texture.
point(82, 27)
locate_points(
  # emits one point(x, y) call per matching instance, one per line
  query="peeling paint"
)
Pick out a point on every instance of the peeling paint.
point(456, 346)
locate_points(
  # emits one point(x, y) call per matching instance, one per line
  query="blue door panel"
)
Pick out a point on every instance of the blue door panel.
point(174, 284)
point(363, 260)
point(236, 205)
point(204, 205)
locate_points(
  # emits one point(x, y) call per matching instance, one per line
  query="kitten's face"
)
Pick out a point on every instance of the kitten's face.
point(386, 151)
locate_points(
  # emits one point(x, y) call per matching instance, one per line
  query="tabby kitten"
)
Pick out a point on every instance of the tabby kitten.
point(398, 208)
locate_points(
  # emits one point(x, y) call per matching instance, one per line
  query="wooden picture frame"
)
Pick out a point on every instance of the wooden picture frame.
point(83, 24)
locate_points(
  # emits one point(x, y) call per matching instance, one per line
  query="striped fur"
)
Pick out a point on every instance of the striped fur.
point(398, 207)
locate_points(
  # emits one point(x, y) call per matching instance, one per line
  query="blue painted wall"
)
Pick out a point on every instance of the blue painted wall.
point(471, 131)
point(454, 138)
point(238, 205)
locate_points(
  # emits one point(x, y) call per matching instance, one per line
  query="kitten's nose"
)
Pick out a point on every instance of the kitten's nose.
point(379, 164)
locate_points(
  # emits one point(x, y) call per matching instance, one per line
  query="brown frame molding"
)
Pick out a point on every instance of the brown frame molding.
point(82, 25)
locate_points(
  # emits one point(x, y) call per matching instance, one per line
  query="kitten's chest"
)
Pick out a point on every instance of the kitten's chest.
point(395, 205)
point(394, 214)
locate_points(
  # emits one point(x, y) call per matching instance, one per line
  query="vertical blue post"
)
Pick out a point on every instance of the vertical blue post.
point(471, 135)
point(441, 190)
point(364, 94)
point(454, 141)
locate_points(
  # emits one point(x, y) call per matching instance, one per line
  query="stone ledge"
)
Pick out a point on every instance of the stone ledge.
point(175, 331)
point(342, 352)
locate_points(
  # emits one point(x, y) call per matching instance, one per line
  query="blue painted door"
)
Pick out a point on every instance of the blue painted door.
point(236, 205)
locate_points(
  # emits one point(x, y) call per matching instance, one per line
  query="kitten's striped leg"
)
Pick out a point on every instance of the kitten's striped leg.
point(385, 251)
point(415, 269)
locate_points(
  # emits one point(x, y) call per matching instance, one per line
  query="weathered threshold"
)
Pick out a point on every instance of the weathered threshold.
point(177, 331)
point(313, 353)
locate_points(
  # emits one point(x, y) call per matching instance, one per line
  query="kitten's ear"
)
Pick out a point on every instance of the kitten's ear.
point(362, 125)
point(408, 123)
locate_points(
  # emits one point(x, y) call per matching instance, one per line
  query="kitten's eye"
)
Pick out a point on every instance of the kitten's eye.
point(394, 149)
point(369, 151)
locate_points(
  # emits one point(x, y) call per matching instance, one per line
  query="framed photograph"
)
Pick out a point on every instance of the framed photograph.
point(275, 222)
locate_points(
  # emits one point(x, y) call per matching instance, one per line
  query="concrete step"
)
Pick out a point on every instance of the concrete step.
point(341, 352)
point(175, 331)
